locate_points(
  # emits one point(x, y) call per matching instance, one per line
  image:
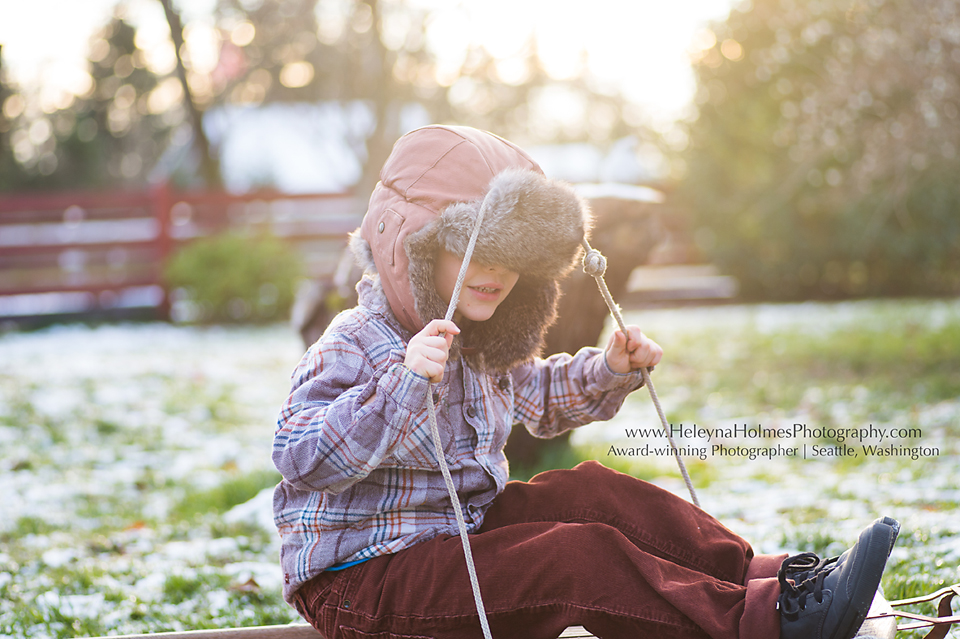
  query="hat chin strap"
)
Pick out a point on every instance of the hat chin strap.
point(594, 264)
point(438, 447)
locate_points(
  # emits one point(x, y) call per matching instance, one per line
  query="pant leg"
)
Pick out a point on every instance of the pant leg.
point(657, 521)
point(654, 519)
point(630, 561)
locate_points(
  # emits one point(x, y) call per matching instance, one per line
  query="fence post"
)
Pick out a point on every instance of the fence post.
point(161, 197)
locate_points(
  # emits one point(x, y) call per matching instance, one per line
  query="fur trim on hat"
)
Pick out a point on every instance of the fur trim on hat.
point(531, 225)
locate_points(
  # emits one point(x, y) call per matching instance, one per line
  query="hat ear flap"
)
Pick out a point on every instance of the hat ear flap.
point(421, 248)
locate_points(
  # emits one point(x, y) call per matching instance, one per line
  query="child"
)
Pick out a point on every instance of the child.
point(369, 538)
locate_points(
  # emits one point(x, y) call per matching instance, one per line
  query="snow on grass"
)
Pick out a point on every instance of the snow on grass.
point(129, 454)
point(136, 479)
point(891, 365)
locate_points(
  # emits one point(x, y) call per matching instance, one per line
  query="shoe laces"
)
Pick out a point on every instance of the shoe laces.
point(801, 576)
point(806, 564)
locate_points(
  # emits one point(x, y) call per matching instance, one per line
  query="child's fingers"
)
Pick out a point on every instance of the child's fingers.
point(645, 357)
point(427, 362)
point(433, 349)
point(444, 329)
point(433, 371)
point(625, 344)
point(634, 338)
point(428, 350)
point(636, 348)
point(619, 341)
point(441, 326)
point(645, 352)
point(439, 342)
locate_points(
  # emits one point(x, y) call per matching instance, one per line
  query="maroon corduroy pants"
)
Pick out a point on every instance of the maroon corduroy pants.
point(589, 547)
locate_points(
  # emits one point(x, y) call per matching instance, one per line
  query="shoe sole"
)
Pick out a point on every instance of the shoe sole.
point(882, 537)
point(895, 525)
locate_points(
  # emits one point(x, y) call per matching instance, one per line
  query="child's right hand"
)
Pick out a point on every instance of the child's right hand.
point(428, 350)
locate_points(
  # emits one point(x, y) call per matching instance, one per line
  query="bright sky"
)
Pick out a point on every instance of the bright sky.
point(638, 46)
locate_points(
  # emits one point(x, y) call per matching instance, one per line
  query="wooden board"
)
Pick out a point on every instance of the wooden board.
point(289, 631)
point(885, 628)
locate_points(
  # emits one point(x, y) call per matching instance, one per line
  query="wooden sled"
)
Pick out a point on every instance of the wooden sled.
point(881, 623)
point(884, 616)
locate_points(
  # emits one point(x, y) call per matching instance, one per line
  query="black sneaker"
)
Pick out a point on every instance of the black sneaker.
point(799, 568)
point(829, 599)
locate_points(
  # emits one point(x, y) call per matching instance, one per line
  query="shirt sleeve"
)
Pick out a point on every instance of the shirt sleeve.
point(329, 436)
point(564, 391)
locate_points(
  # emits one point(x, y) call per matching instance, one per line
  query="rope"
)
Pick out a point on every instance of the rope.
point(595, 265)
point(441, 458)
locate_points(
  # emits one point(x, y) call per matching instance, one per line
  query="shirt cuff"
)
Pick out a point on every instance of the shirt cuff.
point(609, 379)
point(403, 386)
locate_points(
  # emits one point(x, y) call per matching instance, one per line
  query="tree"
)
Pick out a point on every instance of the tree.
point(10, 171)
point(110, 136)
point(209, 167)
point(377, 51)
point(278, 51)
point(823, 159)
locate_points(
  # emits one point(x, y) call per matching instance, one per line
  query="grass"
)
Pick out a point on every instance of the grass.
point(122, 467)
point(118, 466)
point(895, 367)
point(233, 491)
point(892, 364)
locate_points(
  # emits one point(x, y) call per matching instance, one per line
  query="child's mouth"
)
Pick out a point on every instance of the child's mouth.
point(486, 293)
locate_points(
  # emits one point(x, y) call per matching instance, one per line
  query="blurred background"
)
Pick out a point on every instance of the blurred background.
point(776, 185)
point(797, 149)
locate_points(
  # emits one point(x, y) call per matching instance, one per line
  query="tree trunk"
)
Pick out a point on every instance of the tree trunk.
point(209, 167)
point(385, 132)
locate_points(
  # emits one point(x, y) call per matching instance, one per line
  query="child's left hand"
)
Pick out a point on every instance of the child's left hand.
point(631, 352)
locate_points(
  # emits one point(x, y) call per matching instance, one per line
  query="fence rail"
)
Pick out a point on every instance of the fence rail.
point(103, 254)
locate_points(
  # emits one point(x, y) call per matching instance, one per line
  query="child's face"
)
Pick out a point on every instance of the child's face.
point(484, 287)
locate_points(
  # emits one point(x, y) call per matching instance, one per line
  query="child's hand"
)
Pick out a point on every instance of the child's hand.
point(428, 350)
point(639, 351)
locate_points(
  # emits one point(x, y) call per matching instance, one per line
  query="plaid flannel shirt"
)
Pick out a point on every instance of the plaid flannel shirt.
point(360, 476)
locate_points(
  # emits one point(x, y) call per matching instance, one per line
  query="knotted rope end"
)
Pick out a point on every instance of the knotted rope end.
point(594, 263)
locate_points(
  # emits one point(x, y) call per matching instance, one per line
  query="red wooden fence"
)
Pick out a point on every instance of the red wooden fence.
point(103, 254)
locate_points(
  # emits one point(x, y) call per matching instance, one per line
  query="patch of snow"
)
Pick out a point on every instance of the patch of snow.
point(218, 600)
point(58, 557)
point(150, 587)
point(268, 576)
point(79, 606)
point(258, 510)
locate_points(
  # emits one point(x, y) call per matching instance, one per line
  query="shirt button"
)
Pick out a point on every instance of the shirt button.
point(471, 411)
point(504, 384)
point(436, 397)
